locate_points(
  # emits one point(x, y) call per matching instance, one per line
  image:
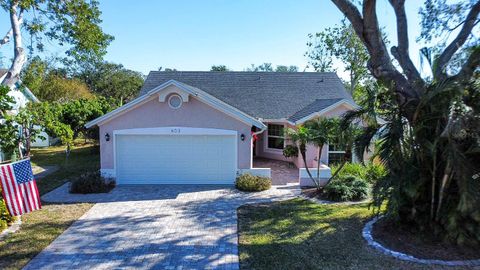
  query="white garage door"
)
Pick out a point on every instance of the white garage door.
point(175, 159)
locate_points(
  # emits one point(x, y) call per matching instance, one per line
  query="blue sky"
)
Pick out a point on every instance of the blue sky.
point(194, 34)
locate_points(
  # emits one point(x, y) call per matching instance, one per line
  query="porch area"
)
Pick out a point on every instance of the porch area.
point(282, 172)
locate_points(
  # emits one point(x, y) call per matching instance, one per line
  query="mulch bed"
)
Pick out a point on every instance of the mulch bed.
point(420, 245)
point(314, 193)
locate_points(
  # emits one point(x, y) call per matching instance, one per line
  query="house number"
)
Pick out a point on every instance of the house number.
point(175, 130)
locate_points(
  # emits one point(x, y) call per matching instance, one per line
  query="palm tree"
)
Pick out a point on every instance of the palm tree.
point(318, 132)
point(322, 132)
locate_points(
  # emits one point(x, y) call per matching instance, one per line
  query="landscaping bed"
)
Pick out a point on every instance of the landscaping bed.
point(299, 234)
point(421, 245)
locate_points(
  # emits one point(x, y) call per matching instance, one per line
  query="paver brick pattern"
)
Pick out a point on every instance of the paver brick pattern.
point(153, 227)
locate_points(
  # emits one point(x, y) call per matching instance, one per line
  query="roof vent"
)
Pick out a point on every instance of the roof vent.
point(321, 80)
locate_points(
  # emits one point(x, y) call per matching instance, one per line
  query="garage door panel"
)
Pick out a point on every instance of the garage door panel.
point(167, 159)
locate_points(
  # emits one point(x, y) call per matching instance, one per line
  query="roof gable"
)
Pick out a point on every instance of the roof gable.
point(318, 108)
point(263, 95)
point(190, 90)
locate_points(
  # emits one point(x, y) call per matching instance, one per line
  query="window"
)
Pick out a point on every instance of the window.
point(276, 136)
point(336, 154)
point(175, 101)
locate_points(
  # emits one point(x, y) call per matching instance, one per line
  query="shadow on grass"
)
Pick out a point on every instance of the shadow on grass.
point(298, 234)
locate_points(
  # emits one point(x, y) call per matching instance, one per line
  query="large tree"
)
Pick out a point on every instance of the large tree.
point(73, 24)
point(48, 83)
point(341, 43)
point(113, 81)
point(431, 137)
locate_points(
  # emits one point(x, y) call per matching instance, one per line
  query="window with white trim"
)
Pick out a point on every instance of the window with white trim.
point(276, 137)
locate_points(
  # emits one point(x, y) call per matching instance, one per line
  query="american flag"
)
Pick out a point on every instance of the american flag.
point(19, 189)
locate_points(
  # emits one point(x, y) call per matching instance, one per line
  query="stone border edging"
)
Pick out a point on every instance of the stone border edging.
point(13, 228)
point(367, 235)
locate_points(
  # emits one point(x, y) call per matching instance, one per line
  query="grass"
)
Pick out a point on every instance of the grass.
point(299, 234)
point(41, 227)
point(82, 158)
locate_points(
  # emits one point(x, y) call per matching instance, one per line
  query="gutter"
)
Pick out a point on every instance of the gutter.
point(261, 130)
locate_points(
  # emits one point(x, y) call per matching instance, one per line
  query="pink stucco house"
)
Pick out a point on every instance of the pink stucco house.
point(199, 127)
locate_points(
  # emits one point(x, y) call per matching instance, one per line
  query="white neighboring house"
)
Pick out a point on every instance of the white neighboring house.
point(21, 97)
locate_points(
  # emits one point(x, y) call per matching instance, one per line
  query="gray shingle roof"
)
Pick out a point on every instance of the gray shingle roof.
point(313, 107)
point(267, 95)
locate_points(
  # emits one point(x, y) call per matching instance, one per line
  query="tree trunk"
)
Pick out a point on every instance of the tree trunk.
point(303, 153)
point(19, 58)
point(320, 148)
point(444, 183)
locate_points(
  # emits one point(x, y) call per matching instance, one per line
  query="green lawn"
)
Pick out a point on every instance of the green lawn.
point(40, 228)
point(81, 159)
point(299, 234)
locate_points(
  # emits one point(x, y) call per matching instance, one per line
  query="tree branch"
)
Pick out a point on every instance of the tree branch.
point(353, 15)
point(467, 70)
point(442, 61)
point(6, 38)
point(8, 35)
point(19, 58)
point(380, 64)
point(401, 52)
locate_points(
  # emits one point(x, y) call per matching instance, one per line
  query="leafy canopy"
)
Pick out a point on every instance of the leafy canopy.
point(73, 23)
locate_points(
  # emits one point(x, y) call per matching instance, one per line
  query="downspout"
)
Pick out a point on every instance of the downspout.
point(254, 134)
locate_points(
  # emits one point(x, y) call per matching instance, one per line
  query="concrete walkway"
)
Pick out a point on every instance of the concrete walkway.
point(154, 227)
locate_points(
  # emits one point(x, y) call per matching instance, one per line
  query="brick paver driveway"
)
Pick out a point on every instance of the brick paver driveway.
point(159, 227)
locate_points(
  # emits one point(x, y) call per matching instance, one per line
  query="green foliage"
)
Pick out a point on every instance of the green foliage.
point(75, 23)
point(248, 182)
point(113, 81)
point(5, 218)
point(268, 67)
point(5, 100)
point(91, 182)
point(34, 74)
point(67, 120)
point(347, 188)
point(435, 155)
point(77, 113)
point(28, 120)
point(290, 151)
point(281, 68)
point(50, 84)
point(339, 42)
point(8, 131)
point(371, 172)
point(219, 68)
point(321, 131)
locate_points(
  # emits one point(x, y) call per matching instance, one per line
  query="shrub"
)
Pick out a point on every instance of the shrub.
point(371, 172)
point(5, 218)
point(353, 169)
point(248, 182)
point(375, 172)
point(290, 151)
point(349, 188)
point(91, 182)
